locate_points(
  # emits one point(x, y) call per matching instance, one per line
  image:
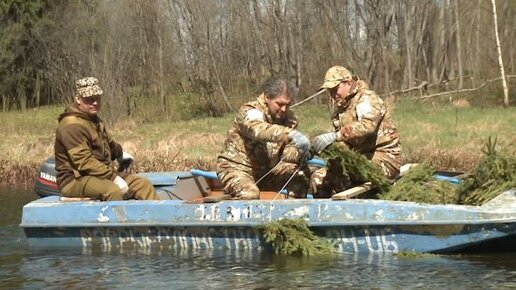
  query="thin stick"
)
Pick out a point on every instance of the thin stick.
point(308, 99)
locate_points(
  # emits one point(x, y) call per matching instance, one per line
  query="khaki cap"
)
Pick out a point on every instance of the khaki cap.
point(334, 76)
point(87, 87)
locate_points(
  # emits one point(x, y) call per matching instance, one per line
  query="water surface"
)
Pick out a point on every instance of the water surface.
point(28, 268)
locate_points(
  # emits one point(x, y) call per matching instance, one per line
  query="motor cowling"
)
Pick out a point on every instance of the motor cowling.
point(46, 183)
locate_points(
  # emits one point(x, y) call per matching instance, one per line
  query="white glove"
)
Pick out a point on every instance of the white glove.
point(120, 182)
point(301, 142)
point(127, 155)
point(324, 140)
point(125, 161)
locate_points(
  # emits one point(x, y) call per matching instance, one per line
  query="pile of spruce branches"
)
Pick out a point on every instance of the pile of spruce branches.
point(354, 168)
point(495, 173)
point(419, 185)
point(293, 236)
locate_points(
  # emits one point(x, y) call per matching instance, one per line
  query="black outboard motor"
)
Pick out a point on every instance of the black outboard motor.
point(46, 183)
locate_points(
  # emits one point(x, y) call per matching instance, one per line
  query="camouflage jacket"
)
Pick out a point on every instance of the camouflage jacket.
point(365, 123)
point(258, 144)
point(83, 147)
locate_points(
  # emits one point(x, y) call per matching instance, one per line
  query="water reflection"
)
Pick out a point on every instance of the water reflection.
point(22, 267)
point(222, 269)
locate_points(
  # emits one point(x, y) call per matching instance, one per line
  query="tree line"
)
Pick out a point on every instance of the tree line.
point(218, 52)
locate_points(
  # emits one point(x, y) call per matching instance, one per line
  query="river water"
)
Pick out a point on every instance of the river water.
point(22, 267)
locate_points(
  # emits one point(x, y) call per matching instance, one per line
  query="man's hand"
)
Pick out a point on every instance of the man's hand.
point(120, 182)
point(125, 161)
point(301, 142)
point(324, 140)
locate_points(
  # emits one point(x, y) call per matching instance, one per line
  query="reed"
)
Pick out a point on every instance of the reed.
point(21, 175)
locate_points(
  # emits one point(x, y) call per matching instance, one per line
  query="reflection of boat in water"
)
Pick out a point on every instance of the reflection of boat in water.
point(189, 221)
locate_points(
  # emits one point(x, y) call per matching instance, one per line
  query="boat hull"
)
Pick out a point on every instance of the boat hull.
point(351, 226)
point(344, 239)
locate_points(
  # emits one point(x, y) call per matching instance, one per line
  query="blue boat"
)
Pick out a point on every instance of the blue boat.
point(192, 217)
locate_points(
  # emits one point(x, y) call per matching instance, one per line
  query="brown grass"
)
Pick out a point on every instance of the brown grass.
point(171, 154)
point(446, 137)
point(17, 174)
point(454, 159)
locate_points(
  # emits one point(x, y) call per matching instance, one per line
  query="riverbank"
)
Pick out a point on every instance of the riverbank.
point(447, 137)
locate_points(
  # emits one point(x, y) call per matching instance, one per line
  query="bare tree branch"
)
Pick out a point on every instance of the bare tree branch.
point(421, 87)
point(461, 91)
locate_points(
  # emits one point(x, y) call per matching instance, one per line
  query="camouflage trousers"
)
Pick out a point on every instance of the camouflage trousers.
point(325, 182)
point(105, 189)
point(241, 181)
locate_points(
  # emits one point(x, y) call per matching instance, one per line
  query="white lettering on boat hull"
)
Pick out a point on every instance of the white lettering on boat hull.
point(248, 239)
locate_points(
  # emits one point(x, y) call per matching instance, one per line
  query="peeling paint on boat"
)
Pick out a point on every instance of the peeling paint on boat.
point(103, 218)
point(379, 215)
point(120, 213)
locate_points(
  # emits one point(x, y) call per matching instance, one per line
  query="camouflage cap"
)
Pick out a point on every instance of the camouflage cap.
point(334, 76)
point(87, 87)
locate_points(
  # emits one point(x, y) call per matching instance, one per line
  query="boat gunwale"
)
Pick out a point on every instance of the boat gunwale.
point(256, 224)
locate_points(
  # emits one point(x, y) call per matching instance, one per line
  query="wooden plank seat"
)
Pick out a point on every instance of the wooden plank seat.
point(353, 192)
point(219, 195)
point(68, 199)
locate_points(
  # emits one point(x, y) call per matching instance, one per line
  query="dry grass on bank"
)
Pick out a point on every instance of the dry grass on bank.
point(445, 137)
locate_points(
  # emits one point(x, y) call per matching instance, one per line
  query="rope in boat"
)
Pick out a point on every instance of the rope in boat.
point(279, 192)
point(288, 180)
point(270, 170)
point(286, 183)
point(284, 186)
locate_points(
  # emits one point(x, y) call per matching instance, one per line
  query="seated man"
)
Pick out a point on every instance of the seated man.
point(263, 151)
point(362, 122)
point(84, 152)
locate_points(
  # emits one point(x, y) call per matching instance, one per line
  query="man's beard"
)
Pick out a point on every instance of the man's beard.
point(278, 118)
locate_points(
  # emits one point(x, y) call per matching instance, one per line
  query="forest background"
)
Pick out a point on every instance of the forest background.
point(186, 60)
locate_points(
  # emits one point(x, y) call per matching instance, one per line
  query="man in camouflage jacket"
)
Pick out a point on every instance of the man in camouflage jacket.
point(263, 149)
point(84, 152)
point(360, 120)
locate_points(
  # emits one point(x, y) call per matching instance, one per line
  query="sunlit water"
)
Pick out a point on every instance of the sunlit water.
point(24, 267)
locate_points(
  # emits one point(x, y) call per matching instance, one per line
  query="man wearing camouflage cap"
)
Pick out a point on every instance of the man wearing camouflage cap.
point(263, 150)
point(85, 151)
point(360, 120)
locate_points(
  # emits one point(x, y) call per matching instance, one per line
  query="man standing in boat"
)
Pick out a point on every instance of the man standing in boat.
point(85, 151)
point(263, 150)
point(360, 120)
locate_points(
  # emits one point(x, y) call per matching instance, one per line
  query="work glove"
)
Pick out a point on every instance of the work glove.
point(125, 161)
point(322, 141)
point(301, 142)
point(120, 182)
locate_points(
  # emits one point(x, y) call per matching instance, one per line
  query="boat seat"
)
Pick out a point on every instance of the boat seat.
point(218, 195)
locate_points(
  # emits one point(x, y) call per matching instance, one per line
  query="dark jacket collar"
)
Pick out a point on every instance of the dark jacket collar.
point(73, 110)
